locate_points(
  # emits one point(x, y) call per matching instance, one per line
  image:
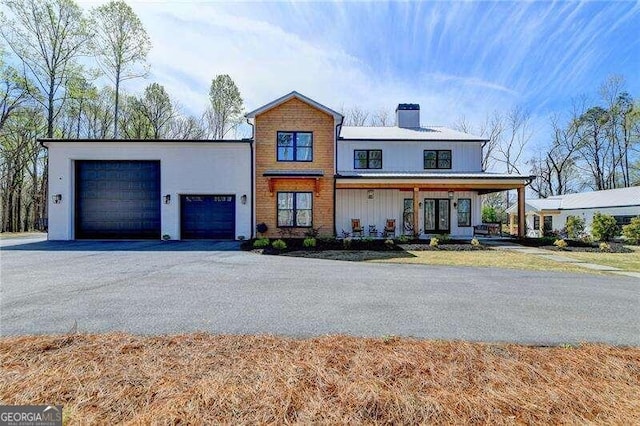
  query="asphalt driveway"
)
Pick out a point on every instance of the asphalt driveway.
point(174, 287)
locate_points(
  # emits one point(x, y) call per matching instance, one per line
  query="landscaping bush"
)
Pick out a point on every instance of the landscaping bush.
point(346, 243)
point(575, 227)
point(475, 242)
point(433, 242)
point(389, 243)
point(561, 244)
point(279, 245)
point(604, 227)
point(632, 231)
point(309, 242)
point(403, 239)
point(261, 243)
point(605, 247)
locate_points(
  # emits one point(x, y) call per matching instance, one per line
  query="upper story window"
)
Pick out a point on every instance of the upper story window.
point(437, 159)
point(367, 159)
point(295, 146)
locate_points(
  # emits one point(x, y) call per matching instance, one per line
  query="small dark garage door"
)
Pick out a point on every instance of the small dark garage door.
point(207, 217)
point(117, 199)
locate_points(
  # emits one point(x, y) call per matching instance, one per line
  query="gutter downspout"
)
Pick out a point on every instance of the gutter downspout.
point(335, 173)
point(251, 220)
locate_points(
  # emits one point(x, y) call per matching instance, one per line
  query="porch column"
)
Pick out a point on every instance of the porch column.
point(416, 211)
point(522, 227)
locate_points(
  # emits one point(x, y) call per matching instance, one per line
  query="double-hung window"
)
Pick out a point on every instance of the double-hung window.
point(437, 159)
point(367, 159)
point(295, 209)
point(295, 146)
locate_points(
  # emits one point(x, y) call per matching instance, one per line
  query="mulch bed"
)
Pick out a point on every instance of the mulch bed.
point(444, 247)
point(615, 248)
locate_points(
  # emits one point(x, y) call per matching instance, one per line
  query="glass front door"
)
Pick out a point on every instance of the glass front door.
point(437, 214)
point(407, 216)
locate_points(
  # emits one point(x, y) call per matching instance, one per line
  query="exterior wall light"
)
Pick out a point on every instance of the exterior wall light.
point(370, 194)
point(57, 198)
point(243, 199)
point(166, 199)
point(450, 195)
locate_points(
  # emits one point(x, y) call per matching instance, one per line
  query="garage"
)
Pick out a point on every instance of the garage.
point(117, 199)
point(210, 217)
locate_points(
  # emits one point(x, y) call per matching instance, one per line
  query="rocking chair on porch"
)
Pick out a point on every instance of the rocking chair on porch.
point(356, 227)
point(390, 228)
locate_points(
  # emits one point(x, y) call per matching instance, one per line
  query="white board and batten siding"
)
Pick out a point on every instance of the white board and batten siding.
point(560, 220)
point(220, 168)
point(408, 156)
point(389, 204)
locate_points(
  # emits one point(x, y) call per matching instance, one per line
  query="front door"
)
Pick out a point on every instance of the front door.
point(436, 215)
point(407, 216)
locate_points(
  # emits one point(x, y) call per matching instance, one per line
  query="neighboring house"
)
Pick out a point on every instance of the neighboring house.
point(549, 214)
point(302, 171)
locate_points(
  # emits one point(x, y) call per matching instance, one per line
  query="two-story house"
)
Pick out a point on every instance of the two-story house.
point(301, 170)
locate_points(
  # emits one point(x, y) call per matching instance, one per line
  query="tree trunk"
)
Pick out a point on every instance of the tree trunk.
point(117, 100)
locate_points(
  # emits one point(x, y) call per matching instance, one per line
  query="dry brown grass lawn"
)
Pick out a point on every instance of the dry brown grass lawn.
point(625, 261)
point(487, 258)
point(199, 378)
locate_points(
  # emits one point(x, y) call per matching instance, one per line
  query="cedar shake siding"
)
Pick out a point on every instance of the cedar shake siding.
point(294, 115)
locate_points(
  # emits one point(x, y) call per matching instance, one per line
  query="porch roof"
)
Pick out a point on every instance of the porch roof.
point(483, 182)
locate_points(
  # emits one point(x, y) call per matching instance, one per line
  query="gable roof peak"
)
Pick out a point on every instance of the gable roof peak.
point(289, 96)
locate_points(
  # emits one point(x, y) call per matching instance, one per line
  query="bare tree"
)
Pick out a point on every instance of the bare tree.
point(120, 44)
point(355, 116)
point(516, 135)
point(381, 118)
point(491, 128)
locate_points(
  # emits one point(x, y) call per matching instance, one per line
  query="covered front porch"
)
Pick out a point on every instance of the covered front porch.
point(419, 206)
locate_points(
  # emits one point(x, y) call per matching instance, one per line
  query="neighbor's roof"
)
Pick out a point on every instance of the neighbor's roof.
point(288, 97)
point(620, 197)
point(431, 133)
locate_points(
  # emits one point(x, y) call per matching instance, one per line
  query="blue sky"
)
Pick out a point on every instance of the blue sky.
point(453, 58)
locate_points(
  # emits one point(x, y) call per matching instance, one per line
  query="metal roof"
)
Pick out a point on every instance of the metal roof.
point(619, 197)
point(431, 133)
point(288, 97)
point(430, 175)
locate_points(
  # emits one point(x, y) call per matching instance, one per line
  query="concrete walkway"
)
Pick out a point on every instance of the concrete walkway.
point(546, 254)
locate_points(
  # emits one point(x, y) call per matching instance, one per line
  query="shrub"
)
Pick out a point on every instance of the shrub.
point(489, 214)
point(313, 232)
point(605, 247)
point(367, 240)
point(444, 238)
point(632, 231)
point(574, 227)
point(261, 243)
point(561, 244)
point(604, 227)
point(475, 242)
point(279, 245)
point(403, 239)
point(433, 242)
point(346, 243)
point(166, 237)
point(309, 242)
point(389, 242)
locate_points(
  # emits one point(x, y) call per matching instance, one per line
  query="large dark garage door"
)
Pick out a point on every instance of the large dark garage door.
point(207, 217)
point(118, 199)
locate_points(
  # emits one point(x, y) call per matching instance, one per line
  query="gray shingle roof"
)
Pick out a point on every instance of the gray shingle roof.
point(431, 133)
